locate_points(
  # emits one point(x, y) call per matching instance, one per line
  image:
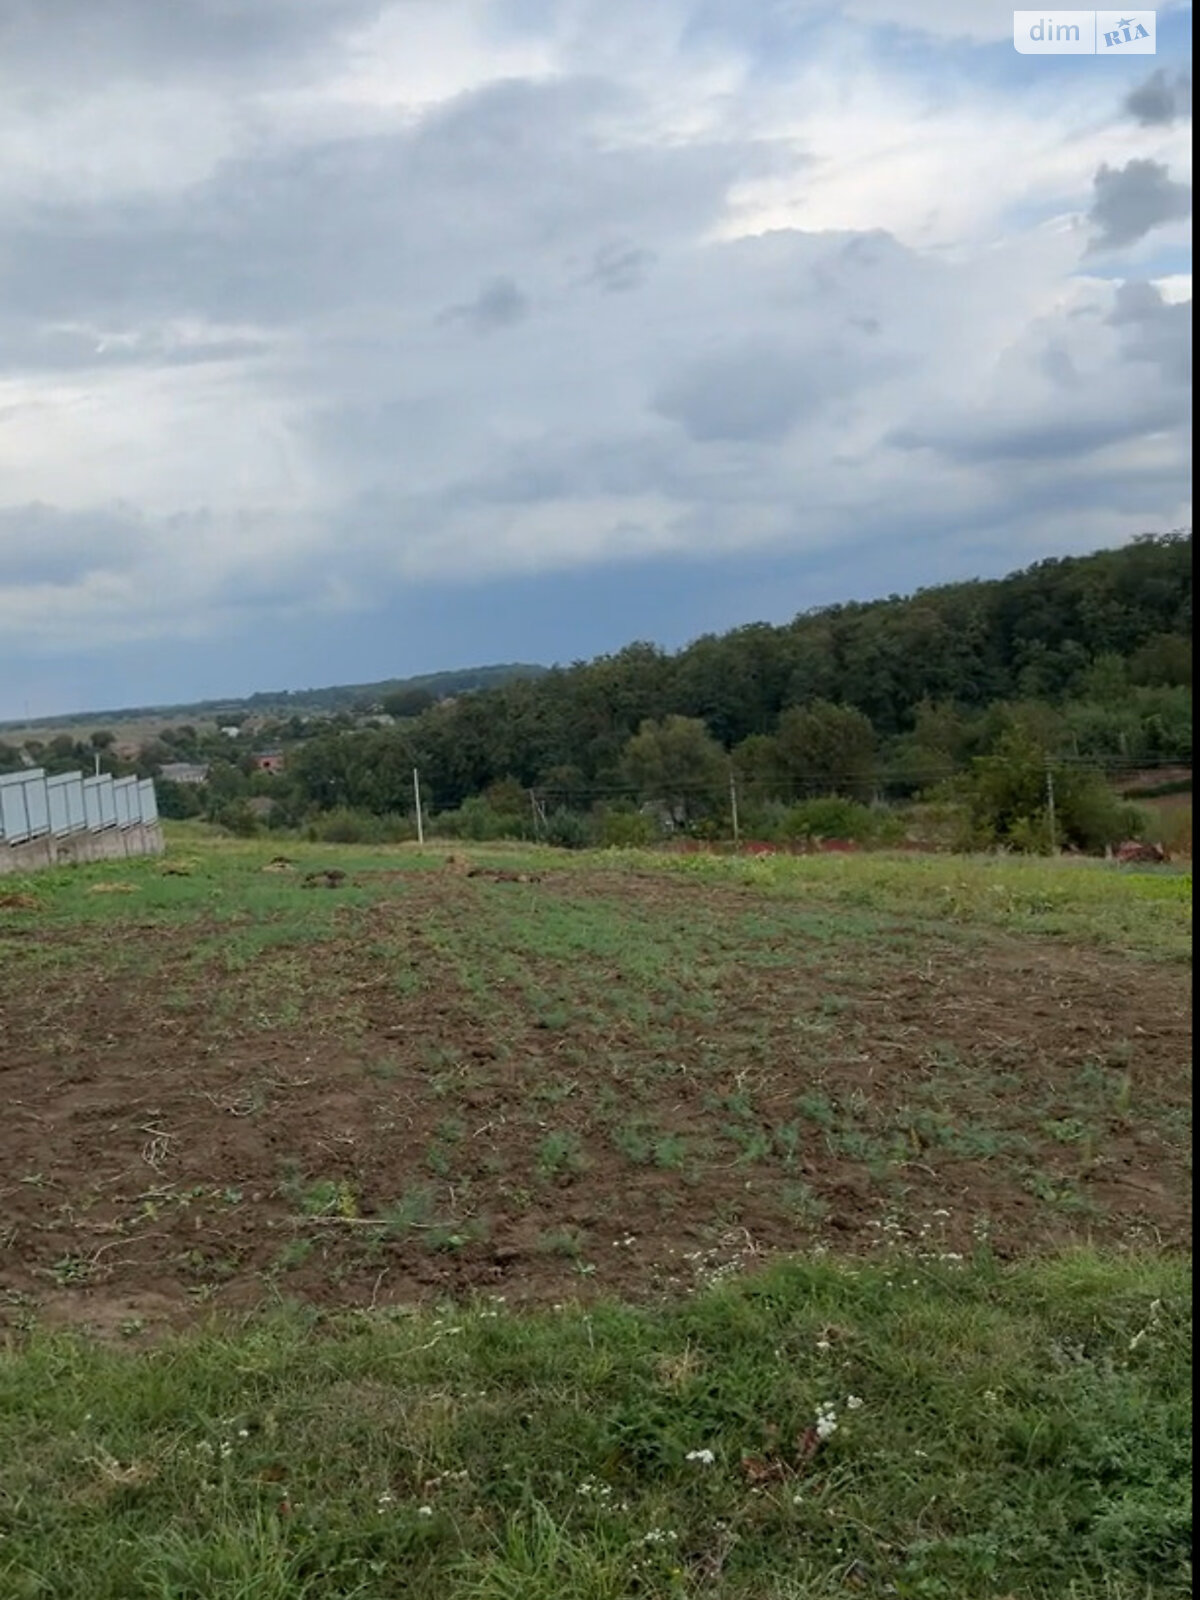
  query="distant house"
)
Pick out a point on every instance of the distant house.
point(184, 772)
point(269, 761)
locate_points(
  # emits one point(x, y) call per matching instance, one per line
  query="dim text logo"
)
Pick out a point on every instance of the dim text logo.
point(1084, 33)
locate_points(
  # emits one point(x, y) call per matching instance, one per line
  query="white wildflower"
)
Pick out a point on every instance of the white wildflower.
point(854, 1402)
point(424, 1511)
point(705, 1456)
point(826, 1421)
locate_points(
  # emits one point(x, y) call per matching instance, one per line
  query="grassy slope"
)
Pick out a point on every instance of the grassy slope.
point(1022, 1433)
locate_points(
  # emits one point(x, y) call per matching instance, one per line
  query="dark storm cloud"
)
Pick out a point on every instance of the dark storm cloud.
point(1132, 200)
point(1161, 99)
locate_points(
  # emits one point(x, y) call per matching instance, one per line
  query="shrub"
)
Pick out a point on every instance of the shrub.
point(476, 820)
point(830, 817)
point(346, 826)
point(236, 817)
point(627, 830)
point(567, 830)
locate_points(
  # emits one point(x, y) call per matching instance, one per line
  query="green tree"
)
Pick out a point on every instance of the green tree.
point(677, 763)
point(934, 749)
point(1008, 792)
point(404, 703)
point(827, 749)
point(761, 774)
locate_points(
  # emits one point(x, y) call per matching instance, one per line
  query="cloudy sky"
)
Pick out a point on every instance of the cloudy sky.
point(344, 339)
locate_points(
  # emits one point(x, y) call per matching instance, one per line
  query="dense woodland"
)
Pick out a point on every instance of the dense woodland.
point(1081, 663)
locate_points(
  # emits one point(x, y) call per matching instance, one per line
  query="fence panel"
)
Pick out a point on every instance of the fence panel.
point(108, 802)
point(14, 814)
point(32, 805)
point(93, 810)
point(59, 805)
point(125, 796)
point(76, 810)
point(148, 801)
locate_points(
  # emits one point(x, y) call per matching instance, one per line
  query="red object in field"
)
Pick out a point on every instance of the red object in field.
point(838, 846)
point(1134, 850)
point(756, 847)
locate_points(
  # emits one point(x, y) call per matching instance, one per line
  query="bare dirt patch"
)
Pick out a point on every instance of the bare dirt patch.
point(591, 1082)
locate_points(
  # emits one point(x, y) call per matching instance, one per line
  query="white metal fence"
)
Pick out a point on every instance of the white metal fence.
point(33, 805)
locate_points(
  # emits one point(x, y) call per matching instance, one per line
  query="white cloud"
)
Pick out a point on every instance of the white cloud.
point(1175, 288)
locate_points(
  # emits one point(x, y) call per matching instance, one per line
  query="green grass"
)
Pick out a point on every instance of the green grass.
point(1146, 912)
point(1022, 1433)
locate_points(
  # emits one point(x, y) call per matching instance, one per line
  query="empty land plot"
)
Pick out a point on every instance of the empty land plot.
point(414, 1231)
point(595, 1074)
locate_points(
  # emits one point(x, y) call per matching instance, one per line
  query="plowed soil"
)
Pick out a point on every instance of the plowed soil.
point(544, 1089)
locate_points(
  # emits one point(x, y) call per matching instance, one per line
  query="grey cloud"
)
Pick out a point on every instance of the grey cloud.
point(755, 392)
point(1155, 330)
point(499, 304)
point(1058, 366)
point(618, 269)
point(41, 544)
point(510, 171)
point(91, 40)
point(1132, 200)
point(1045, 439)
point(1161, 99)
point(50, 348)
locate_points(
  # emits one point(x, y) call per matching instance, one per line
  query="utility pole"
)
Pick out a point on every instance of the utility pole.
point(733, 810)
point(417, 797)
point(1051, 820)
point(533, 806)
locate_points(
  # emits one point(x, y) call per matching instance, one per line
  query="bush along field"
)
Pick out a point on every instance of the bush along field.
point(522, 1223)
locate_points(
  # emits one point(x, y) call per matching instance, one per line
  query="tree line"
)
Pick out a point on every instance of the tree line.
point(1076, 667)
point(1085, 660)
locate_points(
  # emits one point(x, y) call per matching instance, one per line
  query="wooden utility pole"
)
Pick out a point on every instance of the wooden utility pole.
point(733, 810)
point(1051, 820)
point(417, 797)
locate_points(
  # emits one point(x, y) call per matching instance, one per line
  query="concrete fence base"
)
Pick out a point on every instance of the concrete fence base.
point(73, 849)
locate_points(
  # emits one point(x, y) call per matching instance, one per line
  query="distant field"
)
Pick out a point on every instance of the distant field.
point(138, 731)
point(566, 1082)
